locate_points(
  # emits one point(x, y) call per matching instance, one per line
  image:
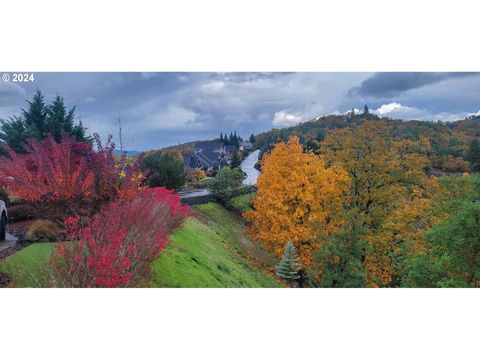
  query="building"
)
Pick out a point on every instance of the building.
point(246, 145)
point(208, 155)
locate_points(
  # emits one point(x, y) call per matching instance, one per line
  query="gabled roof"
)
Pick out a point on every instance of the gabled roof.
point(216, 146)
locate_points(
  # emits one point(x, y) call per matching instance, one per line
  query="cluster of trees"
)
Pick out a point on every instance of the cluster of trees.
point(40, 121)
point(454, 145)
point(165, 169)
point(363, 212)
point(232, 139)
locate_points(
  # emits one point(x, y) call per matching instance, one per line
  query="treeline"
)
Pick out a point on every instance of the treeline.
point(454, 148)
point(40, 121)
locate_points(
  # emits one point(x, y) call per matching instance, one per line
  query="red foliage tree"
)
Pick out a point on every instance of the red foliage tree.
point(118, 245)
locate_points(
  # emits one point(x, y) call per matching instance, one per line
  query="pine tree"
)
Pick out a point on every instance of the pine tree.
point(39, 121)
point(252, 139)
point(58, 119)
point(35, 117)
point(221, 137)
point(289, 266)
point(235, 160)
point(365, 110)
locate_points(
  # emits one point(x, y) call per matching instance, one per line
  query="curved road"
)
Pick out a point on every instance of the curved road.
point(248, 167)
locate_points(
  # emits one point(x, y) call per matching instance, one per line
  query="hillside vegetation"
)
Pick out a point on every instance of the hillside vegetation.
point(451, 142)
point(203, 253)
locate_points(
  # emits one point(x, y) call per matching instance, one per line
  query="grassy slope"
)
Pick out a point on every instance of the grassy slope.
point(25, 266)
point(241, 203)
point(203, 253)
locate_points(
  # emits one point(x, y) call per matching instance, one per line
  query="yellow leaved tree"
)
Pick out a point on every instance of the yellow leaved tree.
point(299, 200)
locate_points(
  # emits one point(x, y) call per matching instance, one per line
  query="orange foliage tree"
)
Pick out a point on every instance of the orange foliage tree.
point(299, 199)
point(389, 191)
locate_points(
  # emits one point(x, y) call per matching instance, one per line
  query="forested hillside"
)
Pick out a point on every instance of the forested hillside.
point(453, 146)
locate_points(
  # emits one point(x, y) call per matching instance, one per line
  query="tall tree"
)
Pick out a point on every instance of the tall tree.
point(13, 133)
point(35, 117)
point(298, 199)
point(386, 175)
point(365, 110)
point(252, 139)
point(59, 120)
point(39, 121)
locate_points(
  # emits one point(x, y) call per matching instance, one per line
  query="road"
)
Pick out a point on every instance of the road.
point(248, 167)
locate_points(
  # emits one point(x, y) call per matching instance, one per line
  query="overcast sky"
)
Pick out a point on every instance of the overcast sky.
point(159, 109)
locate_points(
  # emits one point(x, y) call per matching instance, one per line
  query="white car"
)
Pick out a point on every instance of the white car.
point(3, 220)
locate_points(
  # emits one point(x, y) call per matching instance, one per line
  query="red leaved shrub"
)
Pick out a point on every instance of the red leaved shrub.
point(117, 246)
point(68, 178)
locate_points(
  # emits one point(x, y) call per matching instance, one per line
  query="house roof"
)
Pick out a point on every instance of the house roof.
point(230, 148)
point(215, 146)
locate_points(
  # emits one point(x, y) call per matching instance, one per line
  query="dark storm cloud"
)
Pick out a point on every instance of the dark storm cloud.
point(391, 84)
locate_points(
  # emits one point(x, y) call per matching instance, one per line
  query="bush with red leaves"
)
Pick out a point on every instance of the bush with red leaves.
point(68, 178)
point(118, 245)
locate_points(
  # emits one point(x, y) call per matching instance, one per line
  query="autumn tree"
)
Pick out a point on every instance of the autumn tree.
point(387, 177)
point(298, 199)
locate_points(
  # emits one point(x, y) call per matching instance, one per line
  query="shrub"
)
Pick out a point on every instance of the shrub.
point(20, 212)
point(68, 177)
point(117, 246)
point(227, 184)
point(165, 169)
point(43, 230)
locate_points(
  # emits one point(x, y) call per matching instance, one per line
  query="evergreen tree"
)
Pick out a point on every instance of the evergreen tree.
point(365, 110)
point(39, 121)
point(252, 139)
point(221, 137)
point(35, 117)
point(289, 266)
point(235, 160)
point(58, 119)
point(13, 133)
point(473, 155)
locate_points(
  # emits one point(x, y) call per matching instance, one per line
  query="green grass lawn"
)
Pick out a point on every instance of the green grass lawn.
point(241, 203)
point(203, 253)
point(25, 266)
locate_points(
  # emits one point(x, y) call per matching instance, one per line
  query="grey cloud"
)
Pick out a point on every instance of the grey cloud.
point(391, 84)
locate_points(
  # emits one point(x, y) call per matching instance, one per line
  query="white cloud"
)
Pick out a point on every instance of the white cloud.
point(214, 86)
point(398, 111)
point(283, 118)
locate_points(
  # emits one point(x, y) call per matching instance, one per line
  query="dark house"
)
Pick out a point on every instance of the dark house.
point(208, 155)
